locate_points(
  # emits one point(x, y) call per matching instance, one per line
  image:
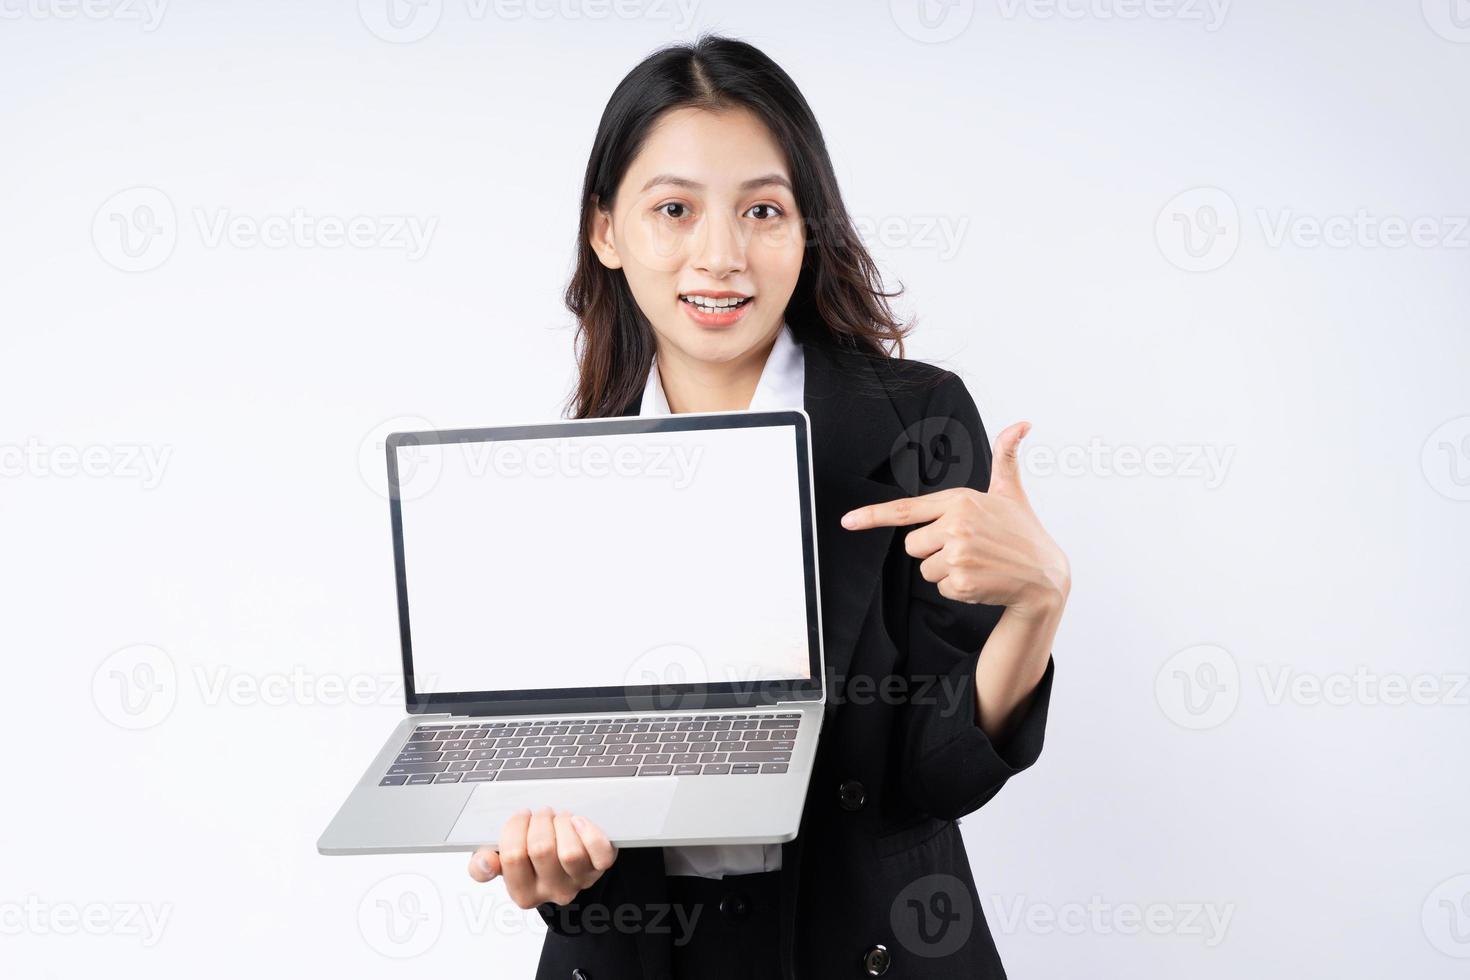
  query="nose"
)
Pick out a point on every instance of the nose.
point(720, 248)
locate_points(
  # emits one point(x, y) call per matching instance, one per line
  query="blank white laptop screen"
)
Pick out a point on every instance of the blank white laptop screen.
point(605, 561)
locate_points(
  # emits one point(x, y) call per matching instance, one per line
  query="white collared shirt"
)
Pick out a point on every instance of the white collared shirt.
point(782, 384)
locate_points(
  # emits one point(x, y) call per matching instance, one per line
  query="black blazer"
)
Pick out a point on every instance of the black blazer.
point(879, 860)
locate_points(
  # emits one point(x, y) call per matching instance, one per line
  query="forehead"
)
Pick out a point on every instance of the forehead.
point(716, 149)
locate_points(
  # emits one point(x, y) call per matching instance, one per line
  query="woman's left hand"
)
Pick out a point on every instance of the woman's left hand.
point(981, 547)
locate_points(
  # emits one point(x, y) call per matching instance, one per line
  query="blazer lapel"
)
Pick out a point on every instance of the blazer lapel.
point(853, 436)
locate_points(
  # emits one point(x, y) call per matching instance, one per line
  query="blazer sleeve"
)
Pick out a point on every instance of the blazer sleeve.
point(951, 767)
point(566, 920)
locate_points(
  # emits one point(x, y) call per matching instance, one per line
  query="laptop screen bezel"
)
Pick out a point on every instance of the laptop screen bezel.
point(668, 697)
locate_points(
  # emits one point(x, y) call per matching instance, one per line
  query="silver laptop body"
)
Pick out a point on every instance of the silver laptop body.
point(617, 617)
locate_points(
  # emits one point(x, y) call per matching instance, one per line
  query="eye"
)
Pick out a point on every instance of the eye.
point(777, 212)
point(663, 209)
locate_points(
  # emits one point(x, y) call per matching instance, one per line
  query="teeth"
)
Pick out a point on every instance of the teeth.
point(705, 302)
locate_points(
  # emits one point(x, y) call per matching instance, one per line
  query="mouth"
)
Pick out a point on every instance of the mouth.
point(715, 302)
point(716, 309)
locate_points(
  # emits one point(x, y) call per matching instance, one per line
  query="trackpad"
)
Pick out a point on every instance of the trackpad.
point(627, 809)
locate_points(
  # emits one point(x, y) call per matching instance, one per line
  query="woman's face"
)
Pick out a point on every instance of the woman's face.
point(706, 212)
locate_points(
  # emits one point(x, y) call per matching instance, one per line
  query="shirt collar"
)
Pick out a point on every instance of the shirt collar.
point(781, 384)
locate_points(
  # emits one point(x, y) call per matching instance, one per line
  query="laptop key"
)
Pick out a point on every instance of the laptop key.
point(571, 761)
point(744, 769)
point(717, 769)
point(515, 764)
point(393, 781)
point(655, 770)
point(686, 770)
point(406, 758)
point(487, 764)
point(478, 777)
point(546, 763)
point(417, 767)
point(760, 756)
point(773, 767)
point(447, 777)
point(421, 780)
point(570, 772)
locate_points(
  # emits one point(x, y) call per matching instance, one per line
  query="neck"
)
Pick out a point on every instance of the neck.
point(692, 385)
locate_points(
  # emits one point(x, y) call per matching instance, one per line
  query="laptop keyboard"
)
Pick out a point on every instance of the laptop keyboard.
point(564, 748)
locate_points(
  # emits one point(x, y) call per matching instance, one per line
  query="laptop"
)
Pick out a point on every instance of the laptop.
point(617, 617)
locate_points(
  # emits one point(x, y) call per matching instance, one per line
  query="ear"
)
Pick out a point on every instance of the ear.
point(600, 236)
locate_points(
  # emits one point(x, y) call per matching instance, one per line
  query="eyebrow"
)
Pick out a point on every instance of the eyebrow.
point(754, 182)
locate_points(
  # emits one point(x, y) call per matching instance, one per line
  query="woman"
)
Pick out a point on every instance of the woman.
point(718, 270)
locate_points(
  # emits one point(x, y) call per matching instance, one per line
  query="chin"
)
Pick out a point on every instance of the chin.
point(715, 344)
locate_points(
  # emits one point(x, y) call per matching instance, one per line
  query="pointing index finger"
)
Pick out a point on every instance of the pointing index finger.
point(897, 513)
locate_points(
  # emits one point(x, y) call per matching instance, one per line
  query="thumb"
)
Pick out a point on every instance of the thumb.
point(485, 865)
point(1005, 469)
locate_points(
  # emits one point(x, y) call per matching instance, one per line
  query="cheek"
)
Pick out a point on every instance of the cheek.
point(778, 252)
point(652, 244)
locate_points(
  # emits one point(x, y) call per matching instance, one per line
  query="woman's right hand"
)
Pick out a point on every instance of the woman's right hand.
point(548, 856)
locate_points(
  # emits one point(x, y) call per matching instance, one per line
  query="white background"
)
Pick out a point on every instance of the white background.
point(1327, 381)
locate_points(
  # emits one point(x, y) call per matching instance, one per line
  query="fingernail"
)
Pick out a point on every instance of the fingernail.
point(848, 520)
point(579, 822)
point(482, 864)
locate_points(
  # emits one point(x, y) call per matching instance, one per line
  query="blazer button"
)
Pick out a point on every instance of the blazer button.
point(581, 975)
point(851, 795)
point(735, 906)
point(876, 961)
